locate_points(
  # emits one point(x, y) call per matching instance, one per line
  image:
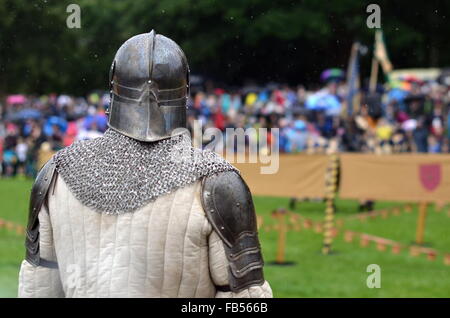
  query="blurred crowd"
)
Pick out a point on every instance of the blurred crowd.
point(33, 128)
point(406, 115)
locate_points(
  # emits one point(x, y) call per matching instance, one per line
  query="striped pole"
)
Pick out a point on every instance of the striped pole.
point(331, 184)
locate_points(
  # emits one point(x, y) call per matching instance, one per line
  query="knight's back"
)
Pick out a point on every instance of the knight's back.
point(159, 250)
point(127, 217)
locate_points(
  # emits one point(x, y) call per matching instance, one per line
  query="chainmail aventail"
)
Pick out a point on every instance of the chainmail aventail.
point(115, 174)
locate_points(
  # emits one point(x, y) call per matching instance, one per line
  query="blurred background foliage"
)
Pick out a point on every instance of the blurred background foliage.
point(230, 41)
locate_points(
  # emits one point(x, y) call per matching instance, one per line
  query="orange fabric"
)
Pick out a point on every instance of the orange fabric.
point(372, 122)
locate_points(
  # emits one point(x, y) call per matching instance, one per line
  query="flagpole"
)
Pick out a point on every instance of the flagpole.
point(373, 76)
point(352, 79)
point(380, 57)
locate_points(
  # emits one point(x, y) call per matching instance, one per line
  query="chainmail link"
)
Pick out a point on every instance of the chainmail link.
point(115, 174)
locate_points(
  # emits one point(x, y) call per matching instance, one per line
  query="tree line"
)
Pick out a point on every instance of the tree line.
point(230, 41)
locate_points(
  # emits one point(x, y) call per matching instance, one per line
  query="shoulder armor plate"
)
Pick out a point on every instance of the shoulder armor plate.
point(38, 196)
point(229, 208)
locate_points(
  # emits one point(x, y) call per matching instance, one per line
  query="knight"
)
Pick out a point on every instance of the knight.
point(139, 212)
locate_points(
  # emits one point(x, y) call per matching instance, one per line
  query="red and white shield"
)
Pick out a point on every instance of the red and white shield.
point(430, 176)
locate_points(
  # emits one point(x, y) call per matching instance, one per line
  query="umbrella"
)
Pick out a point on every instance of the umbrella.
point(409, 125)
point(54, 121)
point(299, 125)
point(332, 74)
point(24, 114)
point(251, 98)
point(322, 101)
point(263, 96)
point(400, 84)
point(63, 100)
point(412, 79)
point(100, 120)
point(397, 94)
point(16, 99)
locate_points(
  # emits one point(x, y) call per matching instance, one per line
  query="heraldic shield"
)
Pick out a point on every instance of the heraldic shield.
point(430, 176)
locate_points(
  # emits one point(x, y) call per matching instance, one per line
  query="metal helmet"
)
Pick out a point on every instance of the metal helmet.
point(149, 82)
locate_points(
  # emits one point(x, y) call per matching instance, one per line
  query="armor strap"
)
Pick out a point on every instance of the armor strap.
point(228, 205)
point(38, 197)
point(223, 289)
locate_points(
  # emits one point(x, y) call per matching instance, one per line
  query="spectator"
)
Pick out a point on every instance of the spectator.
point(310, 121)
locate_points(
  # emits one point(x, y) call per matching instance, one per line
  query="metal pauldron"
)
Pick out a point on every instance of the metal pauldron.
point(228, 204)
point(37, 199)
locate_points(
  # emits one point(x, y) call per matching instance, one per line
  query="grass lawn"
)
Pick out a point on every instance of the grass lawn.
point(342, 274)
point(13, 207)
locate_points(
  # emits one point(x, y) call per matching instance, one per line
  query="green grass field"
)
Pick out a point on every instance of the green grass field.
point(342, 274)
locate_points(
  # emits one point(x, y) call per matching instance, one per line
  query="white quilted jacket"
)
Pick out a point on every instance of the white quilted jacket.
point(165, 249)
